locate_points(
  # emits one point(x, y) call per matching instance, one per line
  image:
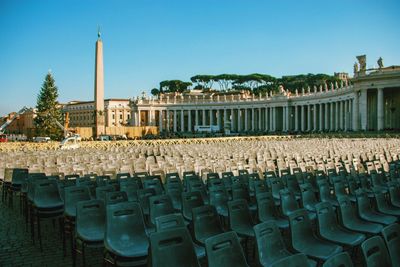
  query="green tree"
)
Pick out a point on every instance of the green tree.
point(155, 92)
point(48, 110)
point(171, 86)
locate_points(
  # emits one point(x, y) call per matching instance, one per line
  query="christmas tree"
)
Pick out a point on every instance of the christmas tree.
point(48, 110)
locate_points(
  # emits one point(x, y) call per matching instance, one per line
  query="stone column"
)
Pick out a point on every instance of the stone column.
point(326, 117)
point(245, 120)
point(189, 120)
point(232, 120)
point(337, 116)
point(211, 117)
point(315, 118)
point(203, 119)
point(340, 115)
point(175, 121)
point(266, 128)
point(259, 119)
point(346, 103)
point(239, 120)
point(380, 110)
point(218, 119)
point(271, 123)
point(309, 118)
point(182, 120)
point(196, 117)
point(274, 119)
point(160, 120)
point(296, 119)
point(355, 111)
point(321, 124)
point(284, 119)
point(363, 109)
point(302, 119)
point(252, 119)
point(332, 116)
point(168, 120)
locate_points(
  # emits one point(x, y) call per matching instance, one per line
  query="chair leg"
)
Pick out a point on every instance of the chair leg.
point(83, 254)
point(32, 215)
point(63, 238)
point(73, 254)
point(39, 233)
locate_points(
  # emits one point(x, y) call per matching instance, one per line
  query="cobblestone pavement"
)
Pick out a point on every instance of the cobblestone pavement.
point(17, 248)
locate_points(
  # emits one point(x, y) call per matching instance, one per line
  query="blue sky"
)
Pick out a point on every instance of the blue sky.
point(147, 41)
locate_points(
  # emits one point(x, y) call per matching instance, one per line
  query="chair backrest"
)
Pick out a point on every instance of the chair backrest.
point(326, 217)
point(190, 200)
point(308, 196)
point(72, 195)
point(219, 196)
point(375, 252)
point(239, 213)
point(339, 260)
point(265, 206)
point(363, 203)
point(115, 197)
point(206, 222)
point(270, 245)
point(225, 250)
point(227, 174)
point(165, 222)
point(90, 214)
point(160, 205)
point(19, 176)
point(143, 196)
point(102, 190)
point(212, 175)
point(155, 184)
point(101, 180)
point(122, 176)
point(324, 190)
point(347, 213)
point(300, 227)
point(380, 200)
point(46, 194)
point(276, 186)
point(292, 184)
point(391, 235)
point(172, 247)
point(394, 192)
point(340, 188)
point(124, 222)
point(288, 202)
point(297, 260)
point(130, 188)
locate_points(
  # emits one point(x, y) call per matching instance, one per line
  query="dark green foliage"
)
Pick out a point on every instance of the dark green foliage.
point(48, 110)
point(256, 83)
point(174, 86)
point(155, 91)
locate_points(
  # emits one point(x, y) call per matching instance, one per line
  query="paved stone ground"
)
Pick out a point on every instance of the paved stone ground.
point(17, 248)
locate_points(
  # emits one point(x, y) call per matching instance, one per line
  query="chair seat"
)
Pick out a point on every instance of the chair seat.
point(378, 218)
point(128, 247)
point(245, 231)
point(48, 205)
point(390, 211)
point(92, 234)
point(320, 249)
point(364, 227)
point(344, 237)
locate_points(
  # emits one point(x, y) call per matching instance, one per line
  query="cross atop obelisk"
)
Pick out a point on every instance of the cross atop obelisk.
point(99, 89)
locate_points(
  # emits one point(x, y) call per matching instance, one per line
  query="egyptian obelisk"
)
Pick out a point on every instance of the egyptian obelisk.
point(99, 89)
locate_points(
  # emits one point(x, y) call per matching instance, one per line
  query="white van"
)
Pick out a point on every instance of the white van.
point(41, 139)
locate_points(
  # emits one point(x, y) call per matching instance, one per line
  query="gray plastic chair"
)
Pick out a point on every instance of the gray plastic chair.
point(125, 237)
point(339, 260)
point(375, 253)
point(90, 226)
point(391, 235)
point(225, 250)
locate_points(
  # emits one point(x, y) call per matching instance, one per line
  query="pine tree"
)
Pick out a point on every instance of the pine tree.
point(48, 110)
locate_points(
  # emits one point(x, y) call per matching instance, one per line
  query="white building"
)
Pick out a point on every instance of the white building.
point(370, 102)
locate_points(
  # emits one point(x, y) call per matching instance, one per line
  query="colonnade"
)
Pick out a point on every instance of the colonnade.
point(305, 117)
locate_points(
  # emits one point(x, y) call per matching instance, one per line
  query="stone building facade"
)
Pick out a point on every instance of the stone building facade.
point(371, 101)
